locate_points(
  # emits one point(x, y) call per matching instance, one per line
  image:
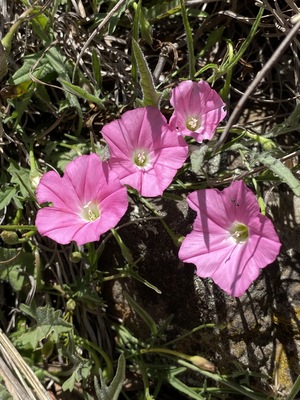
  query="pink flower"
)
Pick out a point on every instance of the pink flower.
point(198, 110)
point(86, 202)
point(144, 151)
point(231, 240)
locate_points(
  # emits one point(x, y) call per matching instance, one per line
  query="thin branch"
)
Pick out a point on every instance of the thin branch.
point(96, 31)
point(269, 64)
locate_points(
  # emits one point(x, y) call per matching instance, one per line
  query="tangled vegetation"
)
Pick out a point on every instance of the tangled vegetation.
point(67, 69)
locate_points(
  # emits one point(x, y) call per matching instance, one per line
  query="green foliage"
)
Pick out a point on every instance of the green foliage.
point(48, 324)
point(142, 313)
point(54, 102)
point(15, 267)
point(163, 9)
point(6, 196)
point(111, 392)
point(280, 170)
point(20, 177)
point(151, 96)
point(81, 371)
point(4, 395)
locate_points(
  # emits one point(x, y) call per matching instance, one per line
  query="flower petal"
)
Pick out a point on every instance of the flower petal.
point(200, 101)
point(145, 129)
point(50, 190)
point(217, 255)
point(87, 180)
point(63, 226)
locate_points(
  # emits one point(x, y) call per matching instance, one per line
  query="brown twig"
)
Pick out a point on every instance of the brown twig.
point(273, 59)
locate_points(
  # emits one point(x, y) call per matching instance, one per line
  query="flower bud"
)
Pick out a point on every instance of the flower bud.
point(9, 237)
point(71, 305)
point(75, 257)
point(202, 363)
point(34, 178)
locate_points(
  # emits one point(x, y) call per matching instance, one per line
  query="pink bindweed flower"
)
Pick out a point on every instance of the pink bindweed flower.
point(231, 240)
point(144, 151)
point(86, 202)
point(198, 109)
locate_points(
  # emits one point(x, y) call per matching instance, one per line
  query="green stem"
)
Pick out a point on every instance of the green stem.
point(167, 228)
point(223, 380)
point(19, 227)
point(91, 347)
point(7, 40)
point(189, 39)
point(126, 253)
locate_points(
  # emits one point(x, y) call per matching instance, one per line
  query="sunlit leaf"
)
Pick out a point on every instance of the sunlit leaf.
point(15, 91)
point(6, 196)
point(112, 391)
point(80, 92)
point(20, 176)
point(15, 267)
point(283, 172)
point(48, 323)
point(151, 96)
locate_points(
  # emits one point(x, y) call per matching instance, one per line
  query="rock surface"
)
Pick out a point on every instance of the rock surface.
point(258, 332)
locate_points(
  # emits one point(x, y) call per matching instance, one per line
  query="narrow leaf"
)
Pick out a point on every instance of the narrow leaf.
point(295, 389)
point(144, 25)
point(151, 96)
point(48, 322)
point(80, 92)
point(162, 9)
point(198, 157)
point(283, 172)
point(96, 68)
point(112, 391)
point(3, 62)
point(7, 196)
point(181, 387)
point(142, 313)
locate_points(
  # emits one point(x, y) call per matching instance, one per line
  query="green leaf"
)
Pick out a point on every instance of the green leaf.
point(163, 9)
point(80, 92)
point(295, 389)
point(290, 124)
point(151, 96)
point(6, 196)
point(96, 68)
point(20, 176)
point(181, 387)
point(142, 313)
point(189, 40)
point(198, 157)
point(58, 62)
point(70, 382)
point(15, 267)
point(112, 391)
point(48, 323)
point(143, 23)
point(283, 172)
point(3, 62)
point(41, 70)
point(81, 372)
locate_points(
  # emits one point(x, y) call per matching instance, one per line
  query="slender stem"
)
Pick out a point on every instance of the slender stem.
point(167, 228)
point(19, 227)
point(189, 39)
point(269, 64)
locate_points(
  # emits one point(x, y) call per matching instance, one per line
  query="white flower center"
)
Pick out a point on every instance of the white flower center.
point(193, 123)
point(239, 232)
point(141, 158)
point(90, 211)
